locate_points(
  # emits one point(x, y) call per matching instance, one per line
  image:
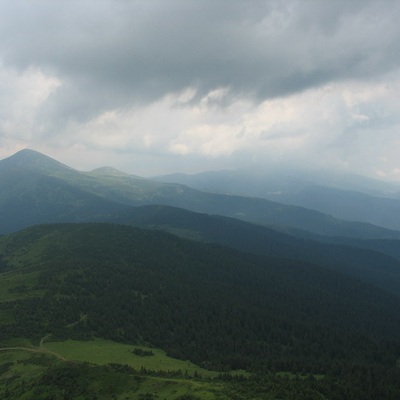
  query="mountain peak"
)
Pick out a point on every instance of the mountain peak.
point(32, 160)
point(108, 171)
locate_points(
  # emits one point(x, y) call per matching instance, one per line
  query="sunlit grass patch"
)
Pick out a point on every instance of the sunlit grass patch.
point(100, 351)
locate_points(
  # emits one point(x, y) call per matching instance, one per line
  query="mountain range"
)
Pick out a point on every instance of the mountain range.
point(343, 196)
point(224, 281)
point(37, 189)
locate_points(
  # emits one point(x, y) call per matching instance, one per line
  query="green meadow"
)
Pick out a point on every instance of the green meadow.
point(102, 352)
point(99, 369)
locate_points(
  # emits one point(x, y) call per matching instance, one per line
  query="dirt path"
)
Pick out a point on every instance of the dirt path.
point(41, 349)
point(33, 350)
point(42, 341)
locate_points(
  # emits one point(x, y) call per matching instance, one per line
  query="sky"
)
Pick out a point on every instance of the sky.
point(153, 87)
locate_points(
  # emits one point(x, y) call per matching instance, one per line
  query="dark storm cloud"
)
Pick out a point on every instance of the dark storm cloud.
point(110, 54)
point(189, 81)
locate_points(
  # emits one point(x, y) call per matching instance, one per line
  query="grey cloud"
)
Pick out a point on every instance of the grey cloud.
point(111, 54)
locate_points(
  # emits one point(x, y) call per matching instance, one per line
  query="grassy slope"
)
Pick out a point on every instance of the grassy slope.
point(102, 352)
point(27, 375)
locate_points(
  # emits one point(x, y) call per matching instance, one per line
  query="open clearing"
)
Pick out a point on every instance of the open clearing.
point(101, 352)
point(23, 367)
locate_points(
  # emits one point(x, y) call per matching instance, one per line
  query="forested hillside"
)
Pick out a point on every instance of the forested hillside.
point(375, 262)
point(219, 308)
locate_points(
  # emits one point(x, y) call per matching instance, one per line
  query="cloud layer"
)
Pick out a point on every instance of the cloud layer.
point(156, 86)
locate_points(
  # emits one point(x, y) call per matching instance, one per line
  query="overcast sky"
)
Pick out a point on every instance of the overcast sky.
point(160, 86)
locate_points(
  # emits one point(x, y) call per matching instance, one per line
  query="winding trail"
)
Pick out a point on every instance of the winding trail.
point(42, 341)
point(41, 349)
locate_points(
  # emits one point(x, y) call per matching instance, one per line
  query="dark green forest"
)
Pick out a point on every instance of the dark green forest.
point(217, 307)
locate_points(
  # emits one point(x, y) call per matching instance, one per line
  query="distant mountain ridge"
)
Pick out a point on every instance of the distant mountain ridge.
point(347, 197)
point(261, 183)
point(37, 189)
point(108, 171)
point(41, 190)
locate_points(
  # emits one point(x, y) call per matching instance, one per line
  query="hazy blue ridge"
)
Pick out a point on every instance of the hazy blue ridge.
point(48, 191)
point(348, 197)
